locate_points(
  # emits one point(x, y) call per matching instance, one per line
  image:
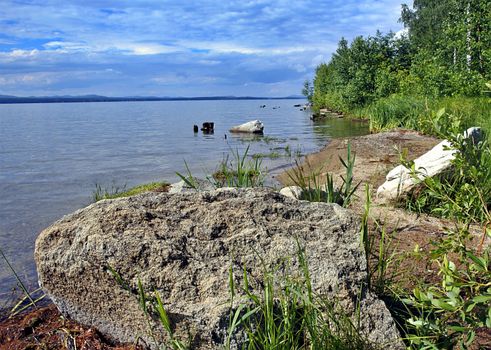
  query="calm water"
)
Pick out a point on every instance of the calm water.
point(52, 155)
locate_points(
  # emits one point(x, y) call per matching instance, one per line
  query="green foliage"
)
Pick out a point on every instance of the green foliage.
point(308, 90)
point(239, 171)
point(315, 188)
point(419, 113)
point(382, 261)
point(445, 52)
point(115, 191)
point(447, 315)
point(289, 315)
point(189, 180)
point(394, 112)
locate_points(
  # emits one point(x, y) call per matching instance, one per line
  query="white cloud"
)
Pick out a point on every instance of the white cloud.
point(137, 43)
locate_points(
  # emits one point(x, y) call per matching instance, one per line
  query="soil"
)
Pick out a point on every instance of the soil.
point(376, 155)
point(45, 328)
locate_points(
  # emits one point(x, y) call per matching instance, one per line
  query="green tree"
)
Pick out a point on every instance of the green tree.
point(308, 90)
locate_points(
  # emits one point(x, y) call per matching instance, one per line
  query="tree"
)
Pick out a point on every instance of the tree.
point(308, 90)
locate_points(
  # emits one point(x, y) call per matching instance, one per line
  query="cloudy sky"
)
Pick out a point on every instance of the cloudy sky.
point(176, 48)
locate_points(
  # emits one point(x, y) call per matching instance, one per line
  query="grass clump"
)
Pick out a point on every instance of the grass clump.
point(237, 171)
point(316, 188)
point(287, 314)
point(452, 311)
point(115, 191)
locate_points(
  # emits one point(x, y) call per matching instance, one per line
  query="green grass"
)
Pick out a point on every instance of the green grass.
point(239, 171)
point(114, 191)
point(418, 113)
point(271, 155)
point(316, 188)
point(287, 314)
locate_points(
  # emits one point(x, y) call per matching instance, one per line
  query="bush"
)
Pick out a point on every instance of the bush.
point(449, 314)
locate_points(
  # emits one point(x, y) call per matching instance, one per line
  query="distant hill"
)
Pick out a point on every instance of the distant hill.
point(96, 98)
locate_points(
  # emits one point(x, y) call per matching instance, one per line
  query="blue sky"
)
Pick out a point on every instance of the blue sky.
point(176, 48)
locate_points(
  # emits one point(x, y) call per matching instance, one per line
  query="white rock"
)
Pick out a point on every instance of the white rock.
point(183, 187)
point(400, 180)
point(294, 192)
point(254, 126)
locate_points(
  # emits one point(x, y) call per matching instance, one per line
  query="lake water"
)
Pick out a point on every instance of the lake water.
point(52, 155)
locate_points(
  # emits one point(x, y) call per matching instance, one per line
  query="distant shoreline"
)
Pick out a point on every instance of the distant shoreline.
point(72, 99)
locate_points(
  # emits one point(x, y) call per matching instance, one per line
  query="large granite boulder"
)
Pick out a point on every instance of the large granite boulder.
point(401, 180)
point(183, 245)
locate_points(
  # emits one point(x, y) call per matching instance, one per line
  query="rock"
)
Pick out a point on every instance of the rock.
point(400, 181)
point(325, 113)
point(183, 187)
point(208, 128)
point(294, 192)
point(254, 127)
point(183, 245)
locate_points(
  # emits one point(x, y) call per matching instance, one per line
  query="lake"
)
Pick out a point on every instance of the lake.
point(53, 155)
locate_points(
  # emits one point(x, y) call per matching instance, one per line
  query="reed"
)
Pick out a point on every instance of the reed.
point(287, 314)
point(239, 171)
point(321, 188)
point(29, 299)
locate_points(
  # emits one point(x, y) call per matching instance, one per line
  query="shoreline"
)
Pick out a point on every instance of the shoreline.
point(375, 155)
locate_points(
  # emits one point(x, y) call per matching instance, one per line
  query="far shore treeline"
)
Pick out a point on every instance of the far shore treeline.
point(442, 60)
point(96, 98)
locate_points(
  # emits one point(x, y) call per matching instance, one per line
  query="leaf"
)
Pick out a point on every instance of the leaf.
point(457, 328)
point(470, 307)
point(481, 298)
point(479, 261)
point(470, 337)
point(142, 297)
point(442, 304)
point(440, 113)
point(164, 319)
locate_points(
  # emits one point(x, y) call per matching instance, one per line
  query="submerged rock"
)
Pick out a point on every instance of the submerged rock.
point(253, 127)
point(184, 245)
point(401, 180)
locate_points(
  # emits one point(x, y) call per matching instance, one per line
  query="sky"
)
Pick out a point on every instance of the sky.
point(177, 48)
